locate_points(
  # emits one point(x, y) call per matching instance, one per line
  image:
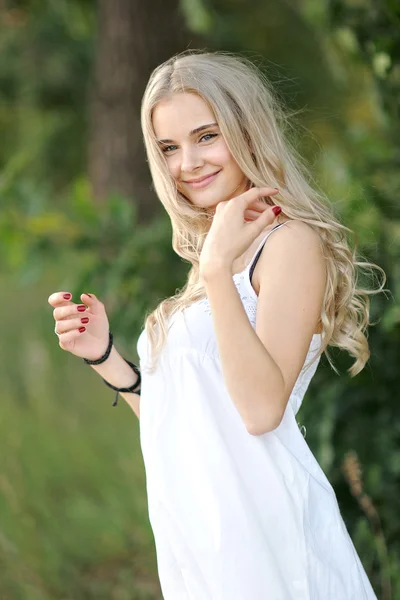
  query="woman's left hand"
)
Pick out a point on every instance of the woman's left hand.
point(230, 235)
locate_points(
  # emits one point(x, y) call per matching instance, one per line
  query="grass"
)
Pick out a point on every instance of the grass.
point(73, 507)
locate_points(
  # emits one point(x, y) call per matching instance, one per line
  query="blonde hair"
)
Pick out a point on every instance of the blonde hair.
point(253, 124)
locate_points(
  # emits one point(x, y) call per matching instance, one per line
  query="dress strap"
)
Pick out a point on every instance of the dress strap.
point(252, 264)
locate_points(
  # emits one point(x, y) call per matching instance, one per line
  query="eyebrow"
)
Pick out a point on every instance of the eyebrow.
point(193, 132)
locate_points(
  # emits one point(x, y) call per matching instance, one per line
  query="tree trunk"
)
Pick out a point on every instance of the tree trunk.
point(133, 38)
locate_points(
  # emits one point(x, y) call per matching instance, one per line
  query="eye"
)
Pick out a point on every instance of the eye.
point(166, 149)
point(209, 135)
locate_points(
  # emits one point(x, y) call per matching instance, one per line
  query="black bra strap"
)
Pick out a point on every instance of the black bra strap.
point(260, 250)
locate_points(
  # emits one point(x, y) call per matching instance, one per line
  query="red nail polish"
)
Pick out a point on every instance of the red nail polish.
point(81, 308)
point(85, 320)
point(67, 296)
point(276, 210)
point(90, 295)
point(82, 329)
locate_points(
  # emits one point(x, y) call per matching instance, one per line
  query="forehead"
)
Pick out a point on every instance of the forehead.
point(178, 114)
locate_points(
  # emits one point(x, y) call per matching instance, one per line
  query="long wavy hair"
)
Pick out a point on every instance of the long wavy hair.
point(254, 125)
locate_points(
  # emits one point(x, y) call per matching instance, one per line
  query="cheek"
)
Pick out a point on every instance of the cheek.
point(224, 158)
point(232, 170)
point(219, 154)
point(173, 166)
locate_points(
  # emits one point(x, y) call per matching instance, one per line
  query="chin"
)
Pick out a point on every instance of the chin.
point(210, 198)
point(203, 199)
point(207, 204)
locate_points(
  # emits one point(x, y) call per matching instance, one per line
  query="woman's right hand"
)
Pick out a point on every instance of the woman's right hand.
point(92, 341)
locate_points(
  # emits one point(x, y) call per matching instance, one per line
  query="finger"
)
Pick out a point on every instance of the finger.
point(93, 303)
point(59, 298)
point(63, 327)
point(266, 218)
point(65, 340)
point(252, 215)
point(258, 206)
point(66, 312)
point(255, 194)
point(260, 203)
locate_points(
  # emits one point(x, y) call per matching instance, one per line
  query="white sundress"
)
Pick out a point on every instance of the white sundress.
point(235, 516)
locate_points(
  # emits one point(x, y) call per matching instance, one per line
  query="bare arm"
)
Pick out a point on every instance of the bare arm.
point(261, 366)
point(117, 372)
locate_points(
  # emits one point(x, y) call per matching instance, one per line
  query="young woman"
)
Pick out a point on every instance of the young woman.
point(239, 507)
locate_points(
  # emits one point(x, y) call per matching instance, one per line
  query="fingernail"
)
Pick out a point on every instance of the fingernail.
point(82, 329)
point(85, 320)
point(276, 210)
point(276, 189)
point(81, 308)
point(90, 295)
point(67, 296)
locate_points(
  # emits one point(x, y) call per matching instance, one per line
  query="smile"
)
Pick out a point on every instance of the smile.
point(203, 182)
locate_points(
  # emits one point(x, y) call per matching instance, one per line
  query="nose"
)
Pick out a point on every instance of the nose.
point(191, 160)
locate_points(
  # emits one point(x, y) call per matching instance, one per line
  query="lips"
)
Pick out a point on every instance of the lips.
point(201, 178)
point(202, 181)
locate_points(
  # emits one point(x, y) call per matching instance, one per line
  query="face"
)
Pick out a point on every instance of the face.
point(195, 151)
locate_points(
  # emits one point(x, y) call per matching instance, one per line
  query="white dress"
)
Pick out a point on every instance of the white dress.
point(235, 516)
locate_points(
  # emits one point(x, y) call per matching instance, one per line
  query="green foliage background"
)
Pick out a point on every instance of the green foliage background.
point(73, 515)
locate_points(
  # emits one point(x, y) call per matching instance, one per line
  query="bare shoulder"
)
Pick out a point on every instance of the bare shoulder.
point(300, 231)
point(292, 276)
point(298, 244)
point(297, 241)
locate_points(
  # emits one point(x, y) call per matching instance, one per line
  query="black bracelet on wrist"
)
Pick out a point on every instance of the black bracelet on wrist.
point(132, 365)
point(105, 355)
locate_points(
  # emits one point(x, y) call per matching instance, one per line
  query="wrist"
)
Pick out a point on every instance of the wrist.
point(116, 372)
point(104, 356)
point(112, 354)
point(215, 270)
